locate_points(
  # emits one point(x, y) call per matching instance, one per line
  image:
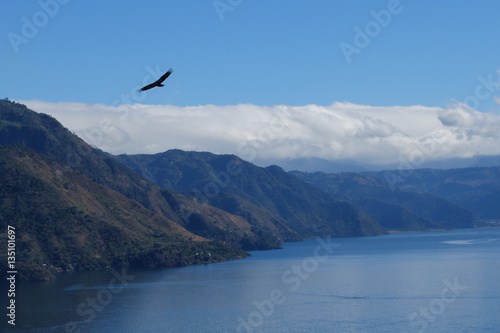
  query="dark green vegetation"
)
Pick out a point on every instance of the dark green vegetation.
point(274, 202)
point(76, 207)
point(65, 220)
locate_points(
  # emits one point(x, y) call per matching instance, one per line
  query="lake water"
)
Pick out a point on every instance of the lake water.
point(445, 281)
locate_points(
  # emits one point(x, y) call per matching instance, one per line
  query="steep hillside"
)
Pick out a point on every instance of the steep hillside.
point(66, 221)
point(233, 229)
point(393, 208)
point(21, 126)
point(269, 197)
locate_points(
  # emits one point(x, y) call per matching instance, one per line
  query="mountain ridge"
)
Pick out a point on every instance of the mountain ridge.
point(214, 178)
point(66, 155)
point(371, 191)
point(476, 188)
point(177, 207)
point(102, 199)
point(67, 221)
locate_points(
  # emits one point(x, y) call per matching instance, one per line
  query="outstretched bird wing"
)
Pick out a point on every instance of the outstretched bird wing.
point(158, 82)
point(164, 76)
point(149, 86)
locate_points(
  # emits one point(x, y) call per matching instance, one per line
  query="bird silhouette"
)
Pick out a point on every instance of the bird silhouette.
point(157, 83)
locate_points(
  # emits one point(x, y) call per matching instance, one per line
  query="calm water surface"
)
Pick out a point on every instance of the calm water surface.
point(420, 282)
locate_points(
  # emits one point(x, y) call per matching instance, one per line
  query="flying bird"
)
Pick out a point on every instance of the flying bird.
point(157, 83)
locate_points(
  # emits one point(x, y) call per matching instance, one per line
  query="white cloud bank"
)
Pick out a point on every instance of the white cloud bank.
point(341, 131)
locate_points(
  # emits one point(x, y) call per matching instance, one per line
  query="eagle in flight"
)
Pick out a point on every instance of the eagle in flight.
point(157, 83)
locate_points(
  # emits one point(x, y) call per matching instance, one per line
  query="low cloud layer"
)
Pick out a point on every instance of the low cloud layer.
point(341, 131)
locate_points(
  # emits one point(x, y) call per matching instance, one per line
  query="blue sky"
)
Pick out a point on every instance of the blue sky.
point(261, 52)
point(372, 82)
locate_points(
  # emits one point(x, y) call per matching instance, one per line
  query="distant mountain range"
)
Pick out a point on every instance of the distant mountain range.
point(314, 164)
point(476, 189)
point(77, 207)
point(392, 207)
